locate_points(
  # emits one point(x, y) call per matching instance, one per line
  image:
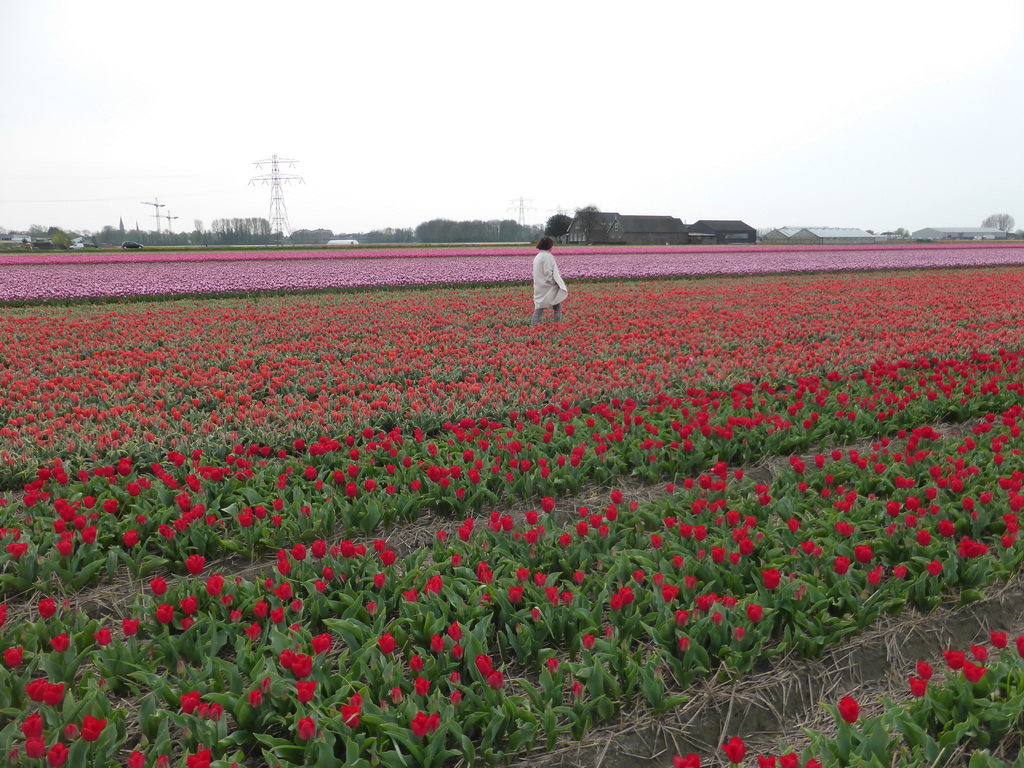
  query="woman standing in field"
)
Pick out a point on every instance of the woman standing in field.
point(548, 287)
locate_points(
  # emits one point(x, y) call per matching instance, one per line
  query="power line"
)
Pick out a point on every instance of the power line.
point(84, 200)
point(278, 212)
point(208, 193)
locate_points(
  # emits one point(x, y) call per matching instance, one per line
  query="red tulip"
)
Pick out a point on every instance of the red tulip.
point(33, 726)
point(57, 755)
point(422, 724)
point(954, 659)
point(974, 672)
point(771, 577)
point(35, 747)
point(190, 701)
point(735, 750)
point(849, 710)
point(863, 553)
point(483, 664)
point(92, 727)
point(350, 713)
point(322, 643)
point(53, 694)
point(386, 643)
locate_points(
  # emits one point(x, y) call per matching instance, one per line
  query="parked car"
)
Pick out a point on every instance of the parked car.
point(131, 244)
point(81, 246)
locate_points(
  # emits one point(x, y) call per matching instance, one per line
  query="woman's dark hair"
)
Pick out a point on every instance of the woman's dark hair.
point(545, 243)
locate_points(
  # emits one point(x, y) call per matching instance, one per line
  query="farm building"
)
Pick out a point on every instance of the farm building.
point(820, 236)
point(609, 227)
point(959, 233)
point(598, 224)
point(723, 232)
point(14, 237)
point(781, 235)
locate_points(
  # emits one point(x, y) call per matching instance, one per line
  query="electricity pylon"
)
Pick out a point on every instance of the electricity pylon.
point(523, 208)
point(278, 212)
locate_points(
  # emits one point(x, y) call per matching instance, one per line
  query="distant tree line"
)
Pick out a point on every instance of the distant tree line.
point(322, 236)
point(494, 231)
point(257, 231)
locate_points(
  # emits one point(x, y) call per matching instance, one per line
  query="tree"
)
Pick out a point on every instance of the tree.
point(109, 236)
point(588, 219)
point(60, 239)
point(387, 235)
point(901, 232)
point(557, 225)
point(1003, 221)
point(509, 231)
point(434, 231)
point(311, 236)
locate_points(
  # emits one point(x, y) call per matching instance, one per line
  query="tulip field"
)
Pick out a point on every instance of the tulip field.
point(394, 528)
point(35, 277)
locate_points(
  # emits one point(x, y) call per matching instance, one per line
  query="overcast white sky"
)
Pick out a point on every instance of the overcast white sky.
point(877, 114)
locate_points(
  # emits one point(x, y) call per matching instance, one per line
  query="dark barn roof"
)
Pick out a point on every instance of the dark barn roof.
point(652, 224)
point(722, 225)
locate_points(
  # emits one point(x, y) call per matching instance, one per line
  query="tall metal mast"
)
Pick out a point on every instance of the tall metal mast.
point(523, 208)
point(157, 205)
point(278, 211)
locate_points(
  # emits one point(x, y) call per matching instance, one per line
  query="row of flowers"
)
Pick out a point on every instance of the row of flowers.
point(85, 524)
point(185, 376)
point(378, 252)
point(511, 633)
point(507, 632)
point(976, 708)
point(170, 276)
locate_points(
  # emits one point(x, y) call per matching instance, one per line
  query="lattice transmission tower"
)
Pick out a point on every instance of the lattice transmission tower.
point(522, 208)
point(278, 211)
